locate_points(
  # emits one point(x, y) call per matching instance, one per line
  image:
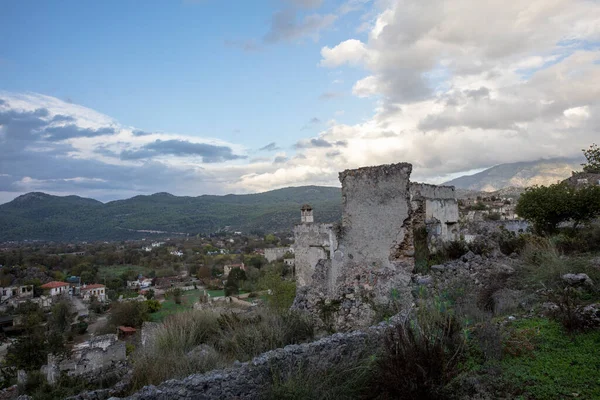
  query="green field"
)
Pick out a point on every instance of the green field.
point(113, 271)
point(187, 303)
point(188, 299)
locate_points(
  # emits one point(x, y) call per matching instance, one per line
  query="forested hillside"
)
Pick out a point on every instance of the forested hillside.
point(39, 216)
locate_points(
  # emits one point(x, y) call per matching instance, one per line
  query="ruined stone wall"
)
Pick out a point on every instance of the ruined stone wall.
point(98, 353)
point(444, 214)
point(371, 251)
point(252, 379)
point(275, 253)
point(432, 191)
point(441, 210)
point(312, 242)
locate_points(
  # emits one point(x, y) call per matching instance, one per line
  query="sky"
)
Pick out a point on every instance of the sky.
point(114, 99)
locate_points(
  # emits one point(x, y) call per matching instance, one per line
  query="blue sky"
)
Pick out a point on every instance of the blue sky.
point(177, 66)
point(111, 99)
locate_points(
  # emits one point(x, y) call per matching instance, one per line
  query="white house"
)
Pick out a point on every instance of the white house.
point(96, 289)
point(56, 288)
point(25, 291)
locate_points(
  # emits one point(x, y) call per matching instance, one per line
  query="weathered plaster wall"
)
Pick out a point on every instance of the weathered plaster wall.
point(312, 242)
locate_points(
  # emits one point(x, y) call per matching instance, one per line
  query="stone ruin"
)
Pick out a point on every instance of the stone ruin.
point(95, 357)
point(346, 272)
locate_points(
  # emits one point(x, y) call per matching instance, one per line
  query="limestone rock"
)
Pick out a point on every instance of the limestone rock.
point(578, 280)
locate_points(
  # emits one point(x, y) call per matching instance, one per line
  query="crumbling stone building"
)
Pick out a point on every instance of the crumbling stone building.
point(99, 354)
point(347, 272)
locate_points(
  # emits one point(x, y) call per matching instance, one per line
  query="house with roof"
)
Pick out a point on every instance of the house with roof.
point(94, 290)
point(56, 288)
point(141, 282)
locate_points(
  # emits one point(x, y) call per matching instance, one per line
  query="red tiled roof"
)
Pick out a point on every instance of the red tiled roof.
point(54, 284)
point(127, 329)
point(93, 286)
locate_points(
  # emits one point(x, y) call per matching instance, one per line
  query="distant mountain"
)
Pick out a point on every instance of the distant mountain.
point(40, 216)
point(518, 175)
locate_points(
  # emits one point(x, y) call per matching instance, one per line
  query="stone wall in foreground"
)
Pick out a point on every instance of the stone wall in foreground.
point(250, 380)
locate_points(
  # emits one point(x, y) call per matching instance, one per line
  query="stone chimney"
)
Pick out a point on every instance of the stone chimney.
point(306, 214)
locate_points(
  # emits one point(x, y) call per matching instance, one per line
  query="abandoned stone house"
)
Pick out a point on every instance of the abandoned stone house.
point(277, 253)
point(99, 353)
point(23, 292)
point(347, 269)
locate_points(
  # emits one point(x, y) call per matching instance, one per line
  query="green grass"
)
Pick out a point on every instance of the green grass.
point(189, 297)
point(112, 271)
point(216, 293)
point(561, 365)
point(169, 307)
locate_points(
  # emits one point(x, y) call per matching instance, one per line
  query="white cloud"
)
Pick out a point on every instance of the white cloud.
point(351, 51)
point(459, 90)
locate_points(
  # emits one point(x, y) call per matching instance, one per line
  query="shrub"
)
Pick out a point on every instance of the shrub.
point(223, 339)
point(79, 328)
point(420, 357)
point(153, 305)
point(349, 379)
point(493, 216)
point(150, 294)
point(450, 251)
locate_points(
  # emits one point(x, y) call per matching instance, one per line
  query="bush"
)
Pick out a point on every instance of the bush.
point(420, 357)
point(223, 339)
point(349, 379)
point(153, 305)
point(79, 328)
point(150, 294)
point(493, 216)
point(510, 242)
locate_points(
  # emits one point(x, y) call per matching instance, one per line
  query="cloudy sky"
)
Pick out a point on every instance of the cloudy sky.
point(110, 99)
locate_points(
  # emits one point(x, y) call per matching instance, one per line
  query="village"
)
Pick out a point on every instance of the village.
point(90, 310)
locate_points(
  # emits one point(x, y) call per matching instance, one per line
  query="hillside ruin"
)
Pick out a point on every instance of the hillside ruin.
point(346, 271)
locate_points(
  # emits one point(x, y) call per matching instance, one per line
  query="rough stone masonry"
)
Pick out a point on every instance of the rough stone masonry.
point(348, 272)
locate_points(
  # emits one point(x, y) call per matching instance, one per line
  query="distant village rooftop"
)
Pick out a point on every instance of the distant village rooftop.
point(93, 286)
point(54, 285)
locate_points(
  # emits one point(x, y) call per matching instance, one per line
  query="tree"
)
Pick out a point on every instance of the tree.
point(548, 206)
point(592, 156)
point(129, 313)
point(176, 293)
point(204, 273)
point(282, 292)
point(235, 277)
point(545, 206)
point(271, 239)
point(60, 318)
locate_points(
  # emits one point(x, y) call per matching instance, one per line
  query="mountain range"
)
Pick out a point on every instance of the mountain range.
point(518, 175)
point(40, 216)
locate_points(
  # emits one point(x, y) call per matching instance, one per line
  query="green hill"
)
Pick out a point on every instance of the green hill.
point(39, 216)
